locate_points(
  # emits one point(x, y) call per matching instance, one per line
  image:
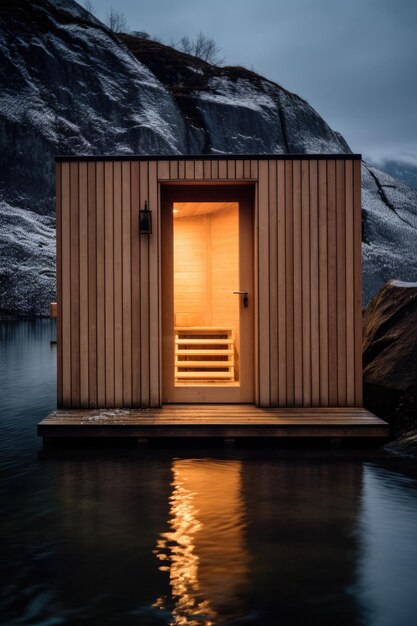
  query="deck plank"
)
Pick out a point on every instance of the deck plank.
point(214, 421)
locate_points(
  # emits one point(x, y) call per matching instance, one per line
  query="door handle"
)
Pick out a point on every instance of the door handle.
point(245, 297)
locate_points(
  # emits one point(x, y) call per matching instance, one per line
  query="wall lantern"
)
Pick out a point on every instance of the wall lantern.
point(145, 220)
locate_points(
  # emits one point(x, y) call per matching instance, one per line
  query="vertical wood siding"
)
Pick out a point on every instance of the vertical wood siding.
point(307, 276)
point(310, 290)
point(108, 285)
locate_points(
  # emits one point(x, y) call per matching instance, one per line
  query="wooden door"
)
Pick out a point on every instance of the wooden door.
point(207, 325)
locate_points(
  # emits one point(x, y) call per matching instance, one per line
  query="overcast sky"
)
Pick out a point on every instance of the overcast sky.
point(355, 61)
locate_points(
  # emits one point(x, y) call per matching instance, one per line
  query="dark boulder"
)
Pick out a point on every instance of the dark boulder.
point(390, 356)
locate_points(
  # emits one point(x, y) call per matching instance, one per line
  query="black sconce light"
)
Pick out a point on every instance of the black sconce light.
point(145, 220)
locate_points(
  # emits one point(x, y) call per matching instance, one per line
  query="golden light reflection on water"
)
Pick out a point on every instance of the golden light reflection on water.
point(204, 551)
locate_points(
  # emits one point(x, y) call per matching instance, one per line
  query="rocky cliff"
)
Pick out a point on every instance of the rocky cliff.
point(69, 86)
point(390, 356)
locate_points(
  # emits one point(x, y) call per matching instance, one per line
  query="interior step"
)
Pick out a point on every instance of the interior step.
point(203, 363)
point(204, 353)
point(221, 352)
point(205, 375)
point(207, 342)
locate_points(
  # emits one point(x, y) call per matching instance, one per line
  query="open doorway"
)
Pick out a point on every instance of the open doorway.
point(206, 305)
point(207, 296)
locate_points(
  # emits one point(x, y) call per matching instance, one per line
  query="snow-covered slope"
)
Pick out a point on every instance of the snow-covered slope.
point(389, 230)
point(27, 260)
point(69, 86)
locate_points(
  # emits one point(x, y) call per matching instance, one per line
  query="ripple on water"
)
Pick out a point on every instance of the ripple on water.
point(149, 537)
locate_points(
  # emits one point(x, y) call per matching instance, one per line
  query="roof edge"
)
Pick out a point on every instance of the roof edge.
point(205, 157)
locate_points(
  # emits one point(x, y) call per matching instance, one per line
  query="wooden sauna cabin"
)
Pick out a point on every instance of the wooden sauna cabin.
point(213, 284)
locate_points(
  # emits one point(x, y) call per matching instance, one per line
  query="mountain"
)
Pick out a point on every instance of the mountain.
point(70, 86)
point(403, 170)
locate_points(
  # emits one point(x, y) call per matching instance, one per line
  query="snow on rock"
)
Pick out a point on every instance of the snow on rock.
point(402, 284)
point(306, 130)
point(74, 9)
point(389, 231)
point(27, 260)
point(69, 86)
point(234, 110)
point(239, 117)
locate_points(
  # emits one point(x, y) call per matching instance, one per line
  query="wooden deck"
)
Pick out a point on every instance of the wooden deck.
point(224, 421)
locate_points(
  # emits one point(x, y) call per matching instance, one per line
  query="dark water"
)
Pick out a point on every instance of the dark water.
point(120, 536)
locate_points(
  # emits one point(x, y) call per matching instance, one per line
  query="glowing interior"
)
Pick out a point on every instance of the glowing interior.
point(206, 311)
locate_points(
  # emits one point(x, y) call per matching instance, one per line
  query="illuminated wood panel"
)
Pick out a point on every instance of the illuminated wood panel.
point(191, 276)
point(206, 265)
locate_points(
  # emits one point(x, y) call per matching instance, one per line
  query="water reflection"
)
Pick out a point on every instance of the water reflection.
point(248, 537)
point(27, 389)
point(204, 551)
point(302, 515)
point(388, 528)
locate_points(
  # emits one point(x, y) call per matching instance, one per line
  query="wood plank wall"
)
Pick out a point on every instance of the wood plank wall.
point(310, 286)
point(108, 285)
point(307, 276)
